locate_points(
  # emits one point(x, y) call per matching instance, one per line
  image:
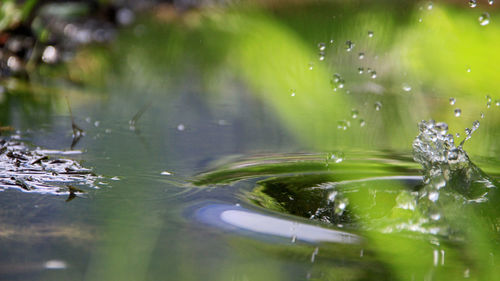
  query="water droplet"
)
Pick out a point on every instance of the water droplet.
point(491, 2)
point(453, 101)
point(362, 123)
point(361, 70)
point(349, 45)
point(484, 19)
point(441, 128)
point(321, 56)
point(378, 106)
point(497, 102)
point(181, 127)
point(457, 135)
point(343, 125)
point(292, 92)
point(332, 41)
point(354, 113)
point(458, 112)
point(406, 87)
point(370, 34)
point(420, 20)
point(373, 74)
point(482, 115)
point(430, 6)
point(472, 3)
point(97, 123)
point(468, 131)
point(475, 125)
point(469, 69)
point(311, 66)
point(361, 56)
point(433, 196)
point(166, 173)
point(322, 46)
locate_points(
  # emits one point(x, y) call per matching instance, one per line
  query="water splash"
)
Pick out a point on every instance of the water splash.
point(445, 164)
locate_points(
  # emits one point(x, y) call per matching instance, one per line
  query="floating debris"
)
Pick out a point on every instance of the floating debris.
point(37, 171)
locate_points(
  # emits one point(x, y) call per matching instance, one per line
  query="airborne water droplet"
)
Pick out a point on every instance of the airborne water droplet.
point(361, 70)
point(321, 46)
point(354, 113)
point(484, 19)
point(497, 102)
point(370, 34)
point(406, 87)
point(373, 74)
point(332, 41)
point(429, 6)
point(458, 112)
point(378, 106)
point(361, 56)
point(311, 66)
point(482, 115)
point(292, 92)
point(491, 2)
point(362, 123)
point(321, 56)
point(453, 101)
point(349, 45)
point(472, 3)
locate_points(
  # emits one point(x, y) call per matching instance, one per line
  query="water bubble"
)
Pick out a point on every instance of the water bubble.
point(406, 87)
point(354, 113)
point(361, 70)
point(491, 2)
point(292, 92)
point(484, 19)
point(370, 34)
point(430, 6)
point(361, 56)
point(472, 3)
point(453, 101)
point(322, 46)
point(349, 45)
point(362, 123)
point(458, 112)
point(378, 106)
